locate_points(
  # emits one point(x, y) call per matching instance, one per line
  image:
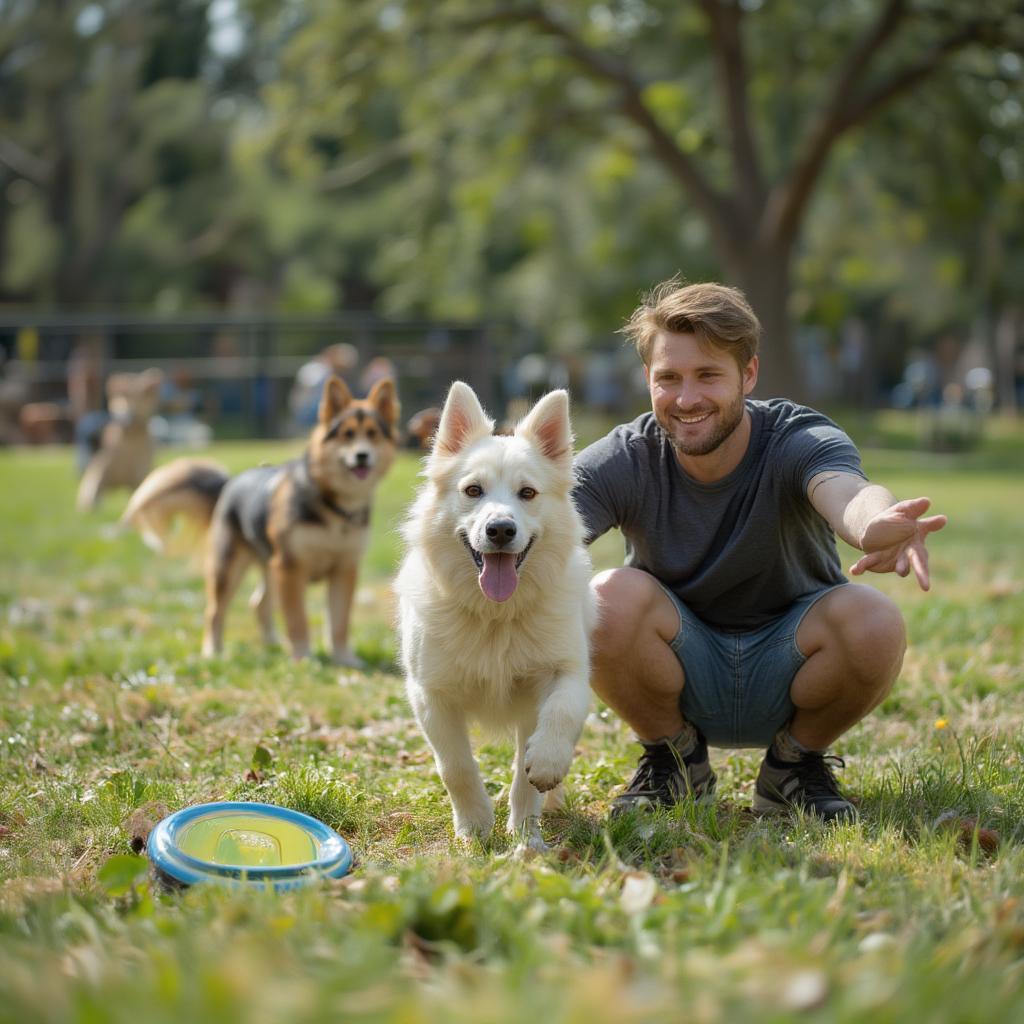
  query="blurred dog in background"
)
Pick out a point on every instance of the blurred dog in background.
point(120, 451)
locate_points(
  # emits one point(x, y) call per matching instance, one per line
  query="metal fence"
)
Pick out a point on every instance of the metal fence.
point(240, 369)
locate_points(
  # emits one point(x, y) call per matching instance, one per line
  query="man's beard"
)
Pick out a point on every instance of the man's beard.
point(729, 418)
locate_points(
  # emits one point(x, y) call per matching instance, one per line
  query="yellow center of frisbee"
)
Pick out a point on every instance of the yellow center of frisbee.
point(240, 839)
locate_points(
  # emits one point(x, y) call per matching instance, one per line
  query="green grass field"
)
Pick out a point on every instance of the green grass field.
point(109, 719)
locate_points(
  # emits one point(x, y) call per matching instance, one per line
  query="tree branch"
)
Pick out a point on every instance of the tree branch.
point(724, 19)
point(789, 197)
point(843, 112)
point(600, 66)
point(24, 163)
point(355, 171)
point(912, 74)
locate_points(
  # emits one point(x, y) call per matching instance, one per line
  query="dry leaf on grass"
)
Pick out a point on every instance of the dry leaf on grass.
point(141, 822)
point(965, 829)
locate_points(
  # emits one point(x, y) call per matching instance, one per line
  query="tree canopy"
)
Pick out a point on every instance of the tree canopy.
point(548, 161)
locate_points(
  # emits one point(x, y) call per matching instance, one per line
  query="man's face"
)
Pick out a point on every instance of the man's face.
point(697, 392)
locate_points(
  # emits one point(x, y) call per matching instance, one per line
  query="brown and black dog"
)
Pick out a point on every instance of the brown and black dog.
point(303, 521)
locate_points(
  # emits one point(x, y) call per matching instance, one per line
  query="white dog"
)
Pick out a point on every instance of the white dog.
point(495, 605)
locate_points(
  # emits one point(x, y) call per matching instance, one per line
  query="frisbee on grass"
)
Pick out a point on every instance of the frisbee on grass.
point(246, 844)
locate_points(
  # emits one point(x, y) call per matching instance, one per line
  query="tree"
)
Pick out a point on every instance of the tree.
point(535, 84)
point(113, 158)
point(924, 221)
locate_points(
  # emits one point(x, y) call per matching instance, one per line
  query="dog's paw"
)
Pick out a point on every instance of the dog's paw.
point(470, 832)
point(530, 848)
point(473, 824)
point(348, 659)
point(546, 765)
point(530, 840)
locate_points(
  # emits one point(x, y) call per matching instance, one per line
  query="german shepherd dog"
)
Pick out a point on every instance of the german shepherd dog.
point(303, 521)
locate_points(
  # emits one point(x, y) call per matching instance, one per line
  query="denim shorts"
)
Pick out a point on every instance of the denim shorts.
point(737, 684)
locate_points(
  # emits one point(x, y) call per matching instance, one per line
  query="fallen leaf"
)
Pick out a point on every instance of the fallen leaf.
point(965, 830)
point(141, 822)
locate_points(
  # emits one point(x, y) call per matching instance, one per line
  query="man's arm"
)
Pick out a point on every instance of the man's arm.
point(867, 516)
point(605, 484)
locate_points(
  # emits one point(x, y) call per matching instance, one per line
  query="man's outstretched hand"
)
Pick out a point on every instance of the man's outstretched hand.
point(894, 541)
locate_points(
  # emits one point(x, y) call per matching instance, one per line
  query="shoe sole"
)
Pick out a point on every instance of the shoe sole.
point(764, 806)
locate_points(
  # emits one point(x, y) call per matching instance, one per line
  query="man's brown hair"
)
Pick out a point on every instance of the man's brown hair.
point(718, 315)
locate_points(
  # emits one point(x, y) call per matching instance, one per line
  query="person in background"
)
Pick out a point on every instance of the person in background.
point(338, 360)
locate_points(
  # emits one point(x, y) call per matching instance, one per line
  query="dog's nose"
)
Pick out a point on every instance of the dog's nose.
point(501, 531)
point(362, 458)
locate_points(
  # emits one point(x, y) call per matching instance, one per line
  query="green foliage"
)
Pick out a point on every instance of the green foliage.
point(501, 144)
point(119, 171)
point(118, 875)
point(461, 161)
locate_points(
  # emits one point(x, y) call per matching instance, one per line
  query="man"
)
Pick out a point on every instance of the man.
point(731, 623)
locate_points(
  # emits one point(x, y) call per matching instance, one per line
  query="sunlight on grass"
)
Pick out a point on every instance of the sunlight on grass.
point(110, 718)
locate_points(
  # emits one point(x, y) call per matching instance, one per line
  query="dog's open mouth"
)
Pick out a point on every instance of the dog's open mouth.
point(497, 571)
point(360, 471)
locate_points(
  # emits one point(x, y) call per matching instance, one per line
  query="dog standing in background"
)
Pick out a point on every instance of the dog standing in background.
point(122, 449)
point(304, 521)
point(495, 605)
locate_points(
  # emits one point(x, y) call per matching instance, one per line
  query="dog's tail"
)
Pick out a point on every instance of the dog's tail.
point(184, 490)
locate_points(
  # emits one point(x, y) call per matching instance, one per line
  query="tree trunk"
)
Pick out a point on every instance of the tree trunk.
point(763, 273)
point(1006, 338)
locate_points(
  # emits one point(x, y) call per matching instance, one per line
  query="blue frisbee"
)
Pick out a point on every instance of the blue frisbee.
point(246, 844)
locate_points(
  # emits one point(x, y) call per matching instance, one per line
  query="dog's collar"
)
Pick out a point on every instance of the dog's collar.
point(315, 496)
point(357, 517)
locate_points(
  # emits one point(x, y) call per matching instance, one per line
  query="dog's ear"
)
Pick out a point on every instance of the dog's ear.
point(384, 398)
point(151, 380)
point(119, 384)
point(335, 397)
point(463, 420)
point(547, 425)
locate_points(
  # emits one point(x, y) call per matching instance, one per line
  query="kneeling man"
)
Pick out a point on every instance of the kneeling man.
point(731, 623)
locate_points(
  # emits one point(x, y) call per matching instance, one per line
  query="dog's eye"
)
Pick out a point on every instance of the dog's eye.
point(371, 435)
point(474, 491)
point(527, 493)
point(349, 434)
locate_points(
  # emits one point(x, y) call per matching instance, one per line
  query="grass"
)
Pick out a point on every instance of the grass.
point(109, 719)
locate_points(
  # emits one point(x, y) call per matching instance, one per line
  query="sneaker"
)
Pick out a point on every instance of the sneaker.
point(664, 777)
point(807, 784)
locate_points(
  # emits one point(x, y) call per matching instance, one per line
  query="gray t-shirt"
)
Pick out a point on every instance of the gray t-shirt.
point(738, 552)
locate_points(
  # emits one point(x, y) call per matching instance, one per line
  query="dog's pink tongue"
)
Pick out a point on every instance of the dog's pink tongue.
point(498, 579)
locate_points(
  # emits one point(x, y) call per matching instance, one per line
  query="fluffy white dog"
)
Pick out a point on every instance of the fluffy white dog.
point(495, 605)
